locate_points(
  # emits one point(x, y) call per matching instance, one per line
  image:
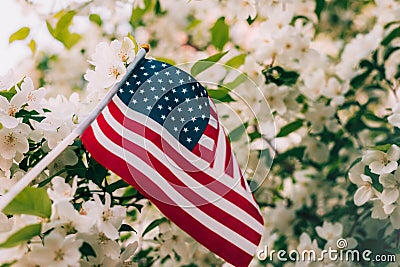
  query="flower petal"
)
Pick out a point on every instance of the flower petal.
point(366, 178)
point(109, 230)
point(387, 180)
point(390, 195)
point(388, 209)
point(377, 211)
point(391, 166)
point(376, 167)
point(395, 219)
point(27, 85)
point(8, 121)
point(362, 195)
point(394, 153)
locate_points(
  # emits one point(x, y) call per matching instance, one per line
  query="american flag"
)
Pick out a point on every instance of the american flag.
point(161, 134)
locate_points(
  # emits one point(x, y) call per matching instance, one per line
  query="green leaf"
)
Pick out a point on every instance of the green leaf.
point(236, 61)
point(372, 117)
point(153, 225)
point(138, 13)
point(134, 42)
point(61, 31)
point(280, 76)
point(95, 18)
point(8, 93)
point(219, 34)
point(32, 114)
point(383, 148)
point(319, 7)
point(70, 39)
point(235, 83)
point(296, 18)
point(87, 250)
point(289, 128)
point(358, 80)
point(365, 64)
point(389, 51)
point(355, 124)
point(9, 264)
point(32, 201)
point(21, 34)
point(158, 10)
point(96, 172)
point(296, 152)
point(130, 191)
point(116, 185)
point(238, 132)
point(192, 24)
point(166, 60)
point(392, 35)
point(222, 95)
point(50, 28)
point(32, 46)
point(22, 235)
point(126, 228)
point(64, 22)
point(204, 64)
point(391, 23)
point(250, 20)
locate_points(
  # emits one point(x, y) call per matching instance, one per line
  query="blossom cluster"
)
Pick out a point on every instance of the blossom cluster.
point(96, 224)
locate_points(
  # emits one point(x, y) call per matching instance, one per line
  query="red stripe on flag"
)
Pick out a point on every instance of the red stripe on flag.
point(203, 152)
point(228, 159)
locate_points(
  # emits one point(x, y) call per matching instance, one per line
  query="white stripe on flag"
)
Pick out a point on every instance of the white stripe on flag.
point(207, 142)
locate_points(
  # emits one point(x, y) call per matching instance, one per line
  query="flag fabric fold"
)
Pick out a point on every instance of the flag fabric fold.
point(161, 134)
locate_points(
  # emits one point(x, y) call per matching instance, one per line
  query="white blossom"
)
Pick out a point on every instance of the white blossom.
point(31, 96)
point(275, 96)
point(306, 244)
point(315, 150)
point(243, 9)
point(365, 190)
point(68, 220)
point(109, 62)
point(13, 144)
point(62, 191)
point(59, 122)
point(8, 109)
point(124, 50)
point(335, 90)
point(380, 162)
point(108, 219)
point(391, 187)
point(320, 116)
point(331, 232)
point(378, 212)
point(57, 251)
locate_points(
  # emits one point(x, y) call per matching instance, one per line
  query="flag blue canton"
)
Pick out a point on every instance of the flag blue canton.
point(169, 96)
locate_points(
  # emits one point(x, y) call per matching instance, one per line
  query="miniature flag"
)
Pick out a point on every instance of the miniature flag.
point(161, 134)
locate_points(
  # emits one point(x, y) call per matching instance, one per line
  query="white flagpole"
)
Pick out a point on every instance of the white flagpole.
point(53, 154)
